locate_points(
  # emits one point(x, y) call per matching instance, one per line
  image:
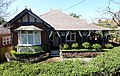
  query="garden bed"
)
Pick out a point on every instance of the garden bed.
point(27, 57)
point(81, 53)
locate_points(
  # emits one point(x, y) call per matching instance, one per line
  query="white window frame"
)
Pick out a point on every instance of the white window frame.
point(70, 33)
point(20, 40)
point(6, 40)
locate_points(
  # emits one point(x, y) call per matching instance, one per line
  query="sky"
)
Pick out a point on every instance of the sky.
point(87, 9)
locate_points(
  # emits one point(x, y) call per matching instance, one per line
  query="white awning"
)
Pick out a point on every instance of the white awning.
point(28, 28)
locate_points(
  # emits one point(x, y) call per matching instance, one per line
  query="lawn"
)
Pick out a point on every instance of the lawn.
point(106, 64)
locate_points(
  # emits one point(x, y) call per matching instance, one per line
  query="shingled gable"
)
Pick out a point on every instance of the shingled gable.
point(62, 21)
point(25, 11)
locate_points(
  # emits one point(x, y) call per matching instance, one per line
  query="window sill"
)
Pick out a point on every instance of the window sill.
point(28, 44)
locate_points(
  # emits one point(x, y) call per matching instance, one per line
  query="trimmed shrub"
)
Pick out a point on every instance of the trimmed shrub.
point(25, 54)
point(106, 64)
point(108, 46)
point(37, 48)
point(75, 45)
point(96, 46)
point(65, 46)
point(86, 45)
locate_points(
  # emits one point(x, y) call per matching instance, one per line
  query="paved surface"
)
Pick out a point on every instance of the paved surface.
point(52, 59)
point(81, 59)
point(55, 59)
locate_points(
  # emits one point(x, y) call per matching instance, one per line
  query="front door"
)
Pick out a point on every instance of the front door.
point(56, 40)
point(55, 45)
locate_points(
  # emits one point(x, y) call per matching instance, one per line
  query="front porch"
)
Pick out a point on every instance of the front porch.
point(59, 38)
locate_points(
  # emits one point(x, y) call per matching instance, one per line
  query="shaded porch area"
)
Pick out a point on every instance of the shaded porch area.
point(58, 38)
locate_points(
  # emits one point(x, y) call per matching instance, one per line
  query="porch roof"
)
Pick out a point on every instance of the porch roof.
point(32, 27)
point(61, 21)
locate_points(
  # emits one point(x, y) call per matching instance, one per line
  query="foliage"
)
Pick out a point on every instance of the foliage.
point(83, 50)
point(96, 46)
point(25, 54)
point(108, 46)
point(37, 48)
point(86, 45)
point(75, 45)
point(45, 47)
point(75, 15)
point(106, 64)
point(65, 46)
point(106, 23)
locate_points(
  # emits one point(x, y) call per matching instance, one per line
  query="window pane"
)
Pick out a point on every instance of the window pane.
point(30, 39)
point(72, 32)
point(30, 32)
point(37, 39)
point(72, 36)
point(23, 39)
point(23, 32)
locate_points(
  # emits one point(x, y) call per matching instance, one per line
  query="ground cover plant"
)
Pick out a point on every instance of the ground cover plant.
point(106, 64)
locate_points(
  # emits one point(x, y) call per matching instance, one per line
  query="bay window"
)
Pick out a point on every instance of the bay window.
point(29, 37)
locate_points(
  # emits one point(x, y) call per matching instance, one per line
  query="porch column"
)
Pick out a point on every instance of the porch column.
point(67, 33)
point(103, 36)
point(81, 37)
point(51, 32)
point(88, 35)
point(49, 35)
point(59, 37)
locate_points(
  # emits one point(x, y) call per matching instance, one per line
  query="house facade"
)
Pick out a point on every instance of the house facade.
point(5, 38)
point(53, 29)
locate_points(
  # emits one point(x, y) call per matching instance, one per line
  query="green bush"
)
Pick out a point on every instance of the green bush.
point(96, 46)
point(37, 48)
point(46, 47)
point(65, 46)
point(75, 45)
point(106, 64)
point(25, 54)
point(108, 46)
point(86, 45)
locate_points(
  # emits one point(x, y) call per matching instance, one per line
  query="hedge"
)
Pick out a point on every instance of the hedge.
point(84, 50)
point(106, 64)
point(26, 54)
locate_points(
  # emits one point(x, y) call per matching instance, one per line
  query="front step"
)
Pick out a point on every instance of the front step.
point(54, 53)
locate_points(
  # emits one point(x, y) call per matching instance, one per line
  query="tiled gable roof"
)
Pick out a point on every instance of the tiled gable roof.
point(62, 21)
point(4, 30)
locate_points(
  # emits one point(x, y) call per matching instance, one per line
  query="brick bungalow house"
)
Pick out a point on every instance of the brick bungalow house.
point(52, 28)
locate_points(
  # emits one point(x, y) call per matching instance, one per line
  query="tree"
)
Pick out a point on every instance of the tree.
point(106, 23)
point(115, 15)
point(4, 5)
point(75, 15)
